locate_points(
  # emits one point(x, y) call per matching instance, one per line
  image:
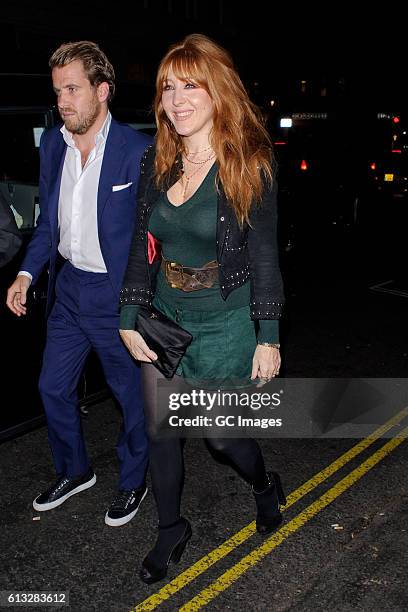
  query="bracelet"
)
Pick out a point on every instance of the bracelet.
point(273, 344)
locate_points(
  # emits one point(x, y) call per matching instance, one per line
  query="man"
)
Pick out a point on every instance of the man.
point(88, 179)
point(10, 237)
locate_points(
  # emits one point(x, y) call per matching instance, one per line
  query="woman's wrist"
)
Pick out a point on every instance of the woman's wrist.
point(268, 331)
point(128, 316)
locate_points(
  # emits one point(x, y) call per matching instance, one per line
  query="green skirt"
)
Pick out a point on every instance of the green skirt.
point(222, 348)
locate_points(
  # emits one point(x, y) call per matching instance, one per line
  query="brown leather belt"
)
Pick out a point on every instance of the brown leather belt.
point(189, 279)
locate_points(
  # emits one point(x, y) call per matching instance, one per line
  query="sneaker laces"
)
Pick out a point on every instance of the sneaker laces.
point(122, 499)
point(60, 484)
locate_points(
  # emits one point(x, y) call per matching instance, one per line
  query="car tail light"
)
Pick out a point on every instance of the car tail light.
point(303, 165)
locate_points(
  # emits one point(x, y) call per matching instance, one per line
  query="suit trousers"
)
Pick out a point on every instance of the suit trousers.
point(84, 317)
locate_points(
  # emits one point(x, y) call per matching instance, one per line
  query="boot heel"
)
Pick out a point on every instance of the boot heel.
point(279, 489)
point(179, 549)
point(152, 571)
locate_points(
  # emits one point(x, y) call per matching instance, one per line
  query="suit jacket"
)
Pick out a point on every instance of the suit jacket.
point(247, 253)
point(10, 237)
point(116, 209)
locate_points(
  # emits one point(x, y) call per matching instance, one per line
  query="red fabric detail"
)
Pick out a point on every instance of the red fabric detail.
point(153, 248)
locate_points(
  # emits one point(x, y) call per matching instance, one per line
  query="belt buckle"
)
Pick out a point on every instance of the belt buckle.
point(173, 266)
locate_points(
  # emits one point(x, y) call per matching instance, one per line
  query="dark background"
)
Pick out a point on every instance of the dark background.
point(341, 237)
point(336, 324)
point(347, 51)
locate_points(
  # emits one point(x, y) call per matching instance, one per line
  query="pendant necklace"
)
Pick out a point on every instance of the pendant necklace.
point(186, 179)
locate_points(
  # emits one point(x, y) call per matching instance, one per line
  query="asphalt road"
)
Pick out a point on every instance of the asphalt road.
point(341, 547)
point(344, 542)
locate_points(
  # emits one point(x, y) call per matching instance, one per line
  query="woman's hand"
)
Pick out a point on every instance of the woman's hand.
point(136, 346)
point(265, 363)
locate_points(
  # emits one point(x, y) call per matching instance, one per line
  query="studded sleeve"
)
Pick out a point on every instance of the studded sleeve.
point(136, 289)
point(267, 297)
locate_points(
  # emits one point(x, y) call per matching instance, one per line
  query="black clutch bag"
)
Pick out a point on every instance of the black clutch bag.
point(167, 339)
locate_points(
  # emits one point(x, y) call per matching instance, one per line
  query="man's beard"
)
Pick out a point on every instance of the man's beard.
point(80, 125)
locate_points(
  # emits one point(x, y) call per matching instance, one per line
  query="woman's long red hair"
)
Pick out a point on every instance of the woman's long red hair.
point(240, 141)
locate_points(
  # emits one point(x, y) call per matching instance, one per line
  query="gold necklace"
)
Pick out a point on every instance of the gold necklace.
point(186, 155)
point(197, 152)
point(186, 179)
point(203, 161)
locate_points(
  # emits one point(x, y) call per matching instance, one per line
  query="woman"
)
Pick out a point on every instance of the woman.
point(208, 195)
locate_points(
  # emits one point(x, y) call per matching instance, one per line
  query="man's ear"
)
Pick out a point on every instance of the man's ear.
point(103, 92)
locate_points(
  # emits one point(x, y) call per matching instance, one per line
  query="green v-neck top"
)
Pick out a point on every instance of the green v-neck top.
point(187, 235)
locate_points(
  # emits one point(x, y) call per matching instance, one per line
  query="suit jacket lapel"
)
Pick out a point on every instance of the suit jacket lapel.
point(112, 161)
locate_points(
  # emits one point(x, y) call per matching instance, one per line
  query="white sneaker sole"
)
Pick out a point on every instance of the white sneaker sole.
point(125, 519)
point(61, 500)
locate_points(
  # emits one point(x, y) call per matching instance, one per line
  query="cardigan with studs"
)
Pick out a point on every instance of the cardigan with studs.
point(244, 253)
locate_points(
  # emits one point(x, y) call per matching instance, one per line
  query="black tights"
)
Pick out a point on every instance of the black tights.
point(166, 456)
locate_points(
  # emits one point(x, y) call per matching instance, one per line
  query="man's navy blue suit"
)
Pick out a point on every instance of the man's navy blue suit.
point(83, 306)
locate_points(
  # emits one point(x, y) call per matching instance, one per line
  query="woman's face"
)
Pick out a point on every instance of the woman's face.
point(188, 106)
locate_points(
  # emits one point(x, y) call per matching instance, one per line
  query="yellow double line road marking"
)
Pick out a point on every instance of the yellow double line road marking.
point(235, 572)
point(203, 564)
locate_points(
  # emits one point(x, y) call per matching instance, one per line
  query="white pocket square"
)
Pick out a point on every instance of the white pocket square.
point(120, 187)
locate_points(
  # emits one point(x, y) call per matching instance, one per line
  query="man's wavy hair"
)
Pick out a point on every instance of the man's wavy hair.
point(240, 141)
point(97, 67)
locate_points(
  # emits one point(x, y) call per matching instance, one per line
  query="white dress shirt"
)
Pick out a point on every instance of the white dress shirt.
point(77, 208)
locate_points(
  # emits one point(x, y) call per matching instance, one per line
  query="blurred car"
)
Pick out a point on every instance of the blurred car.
point(389, 174)
point(317, 177)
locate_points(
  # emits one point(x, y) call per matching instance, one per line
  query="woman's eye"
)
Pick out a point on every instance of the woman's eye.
point(167, 87)
point(190, 85)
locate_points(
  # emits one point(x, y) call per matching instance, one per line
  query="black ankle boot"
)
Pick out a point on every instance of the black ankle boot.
point(268, 504)
point(169, 546)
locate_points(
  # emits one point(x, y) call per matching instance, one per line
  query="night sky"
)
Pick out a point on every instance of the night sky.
point(273, 44)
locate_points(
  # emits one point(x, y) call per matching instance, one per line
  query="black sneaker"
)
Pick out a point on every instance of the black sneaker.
point(124, 506)
point(64, 488)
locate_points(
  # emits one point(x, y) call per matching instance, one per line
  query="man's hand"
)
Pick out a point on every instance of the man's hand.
point(17, 295)
point(136, 346)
